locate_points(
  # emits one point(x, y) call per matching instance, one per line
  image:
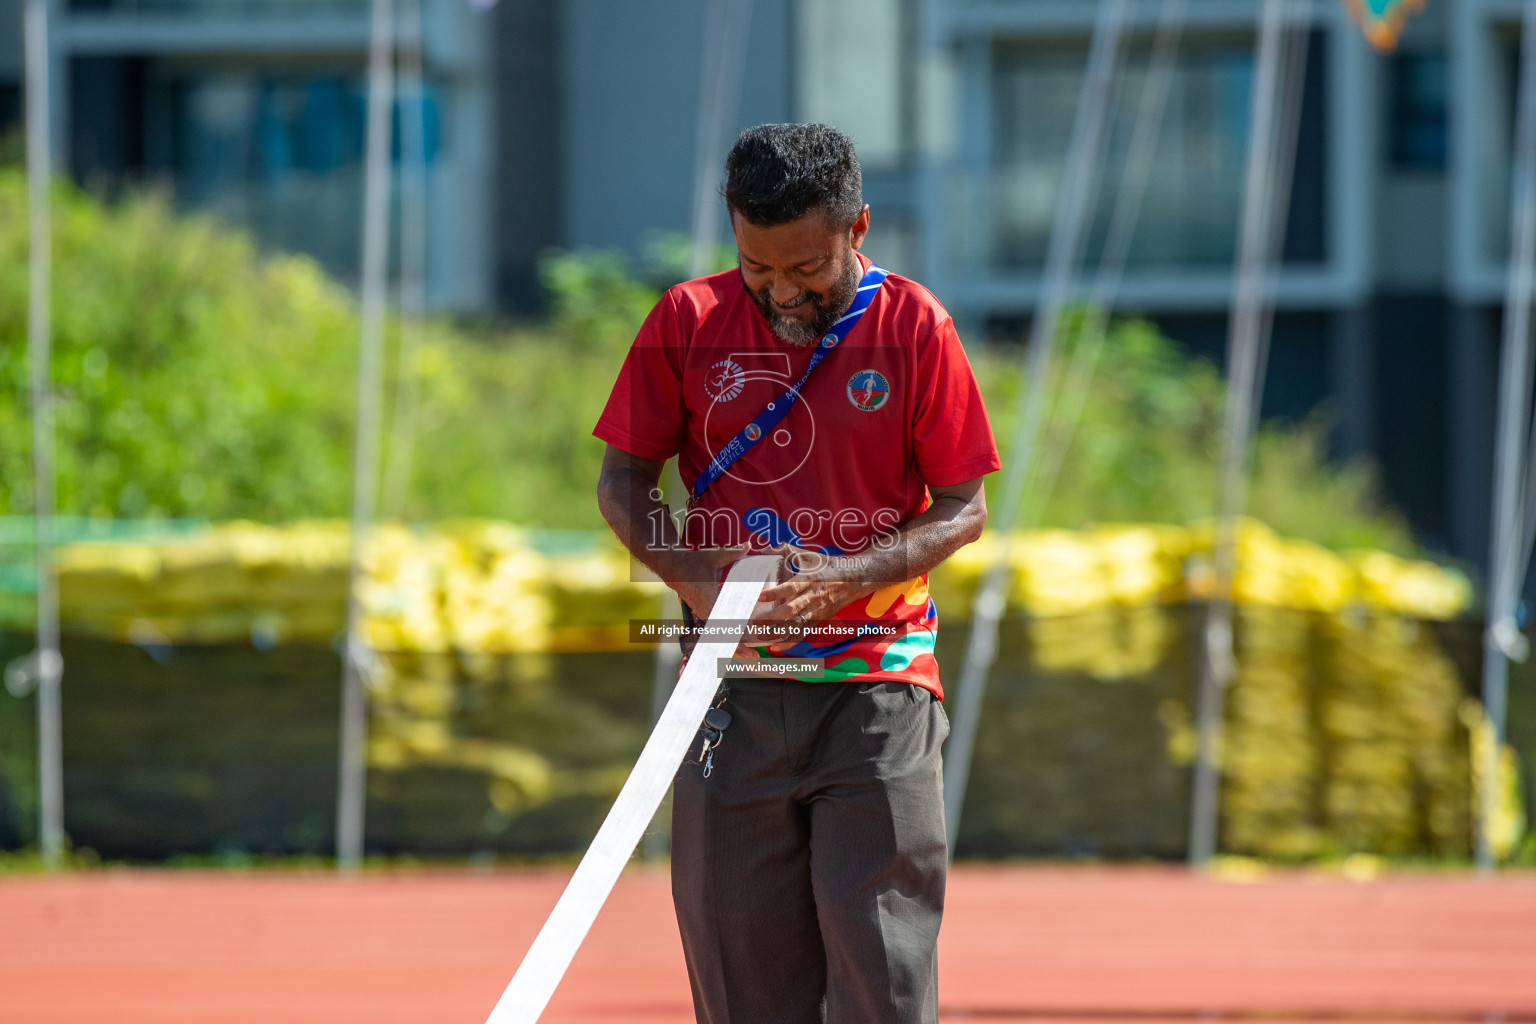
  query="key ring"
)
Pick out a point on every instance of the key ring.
point(716, 719)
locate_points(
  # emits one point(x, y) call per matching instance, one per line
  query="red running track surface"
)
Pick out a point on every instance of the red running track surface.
point(1079, 944)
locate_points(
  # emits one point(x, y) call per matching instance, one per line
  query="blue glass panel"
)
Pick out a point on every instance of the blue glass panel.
point(282, 155)
point(1190, 214)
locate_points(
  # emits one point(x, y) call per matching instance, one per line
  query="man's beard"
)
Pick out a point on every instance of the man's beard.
point(827, 308)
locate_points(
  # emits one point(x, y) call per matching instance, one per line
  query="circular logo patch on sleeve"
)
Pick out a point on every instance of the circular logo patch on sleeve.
point(868, 390)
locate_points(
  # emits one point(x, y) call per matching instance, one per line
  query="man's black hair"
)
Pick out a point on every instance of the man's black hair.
point(777, 173)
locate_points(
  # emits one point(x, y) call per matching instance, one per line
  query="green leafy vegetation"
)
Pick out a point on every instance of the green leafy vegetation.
point(200, 378)
point(1147, 441)
point(194, 379)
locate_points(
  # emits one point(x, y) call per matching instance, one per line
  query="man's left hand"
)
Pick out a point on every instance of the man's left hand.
point(812, 588)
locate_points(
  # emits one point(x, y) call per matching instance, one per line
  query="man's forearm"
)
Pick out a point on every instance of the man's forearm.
point(917, 546)
point(629, 502)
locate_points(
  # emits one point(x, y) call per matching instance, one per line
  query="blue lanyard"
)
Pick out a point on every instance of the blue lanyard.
point(772, 416)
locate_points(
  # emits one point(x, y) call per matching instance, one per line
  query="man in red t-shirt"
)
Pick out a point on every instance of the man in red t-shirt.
point(824, 410)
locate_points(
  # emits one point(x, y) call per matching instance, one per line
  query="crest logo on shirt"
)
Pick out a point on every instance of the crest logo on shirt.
point(754, 431)
point(726, 379)
point(868, 390)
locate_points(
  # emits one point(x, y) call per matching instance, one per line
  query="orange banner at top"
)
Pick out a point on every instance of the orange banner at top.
point(1383, 20)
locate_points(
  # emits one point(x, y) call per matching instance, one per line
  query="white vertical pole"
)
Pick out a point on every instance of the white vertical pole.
point(1068, 234)
point(1078, 379)
point(727, 28)
point(353, 768)
point(413, 255)
point(49, 664)
point(1275, 115)
point(1506, 567)
point(664, 675)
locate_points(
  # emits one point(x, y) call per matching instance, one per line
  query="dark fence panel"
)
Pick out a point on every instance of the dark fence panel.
point(209, 750)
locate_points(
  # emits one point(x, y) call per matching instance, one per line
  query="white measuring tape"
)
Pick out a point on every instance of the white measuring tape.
point(549, 956)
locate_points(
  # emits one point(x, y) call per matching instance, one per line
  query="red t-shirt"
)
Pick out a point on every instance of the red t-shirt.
point(890, 411)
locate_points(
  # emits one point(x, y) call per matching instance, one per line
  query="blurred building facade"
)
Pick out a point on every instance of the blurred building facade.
point(253, 110)
point(572, 123)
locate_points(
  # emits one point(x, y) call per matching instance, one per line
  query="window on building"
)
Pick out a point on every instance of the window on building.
point(278, 154)
point(236, 8)
point(10, 109)
point(1190, 215)
point(1418, 111)
point(849, 72)
point(1497, 103)
point(106, 120)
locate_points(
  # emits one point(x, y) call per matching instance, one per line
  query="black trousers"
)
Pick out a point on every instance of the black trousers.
point(808, 869)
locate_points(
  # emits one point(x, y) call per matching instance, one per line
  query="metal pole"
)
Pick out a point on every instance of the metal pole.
point(1506, 569)
point(1067, 412)
point(413, 256)
point(656, 843)
point(664, 675)
point(727, 28)
point(1068, 233)
point(49, 662)
point(1271, 157)
point(358, 659)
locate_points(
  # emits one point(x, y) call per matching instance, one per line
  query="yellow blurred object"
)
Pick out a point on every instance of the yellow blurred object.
point(1420, 590)
point(1362, 867)
point(1375, 760)
point(1142, 564)
point(231, 582)
point(1273, 766)
point(483, 587)
point(1183, 739)
point(1238, 870)
point(1106, 643)
point(1398, 773)
point(1061, 572)
point(1057, 572)
point(469, 586)
point(1273, 571)
point(478, 586)
point(1508, 825)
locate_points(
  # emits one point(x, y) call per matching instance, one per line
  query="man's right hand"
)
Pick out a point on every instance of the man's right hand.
point(697, 575)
